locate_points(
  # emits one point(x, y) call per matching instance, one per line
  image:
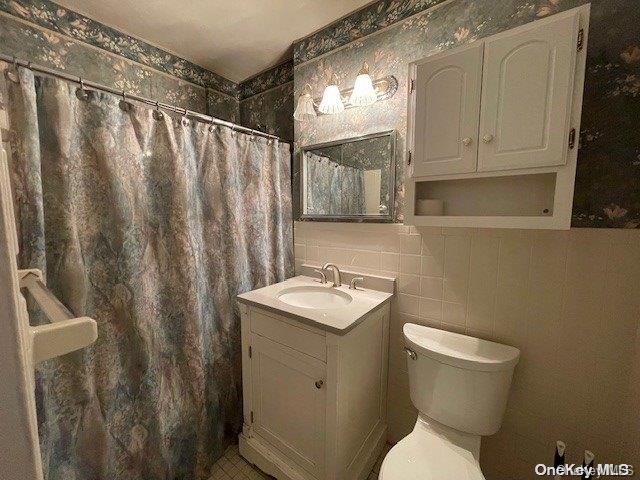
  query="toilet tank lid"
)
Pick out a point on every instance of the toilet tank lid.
point(460, 350)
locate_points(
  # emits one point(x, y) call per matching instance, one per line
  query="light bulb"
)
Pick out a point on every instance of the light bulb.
point(363, 93)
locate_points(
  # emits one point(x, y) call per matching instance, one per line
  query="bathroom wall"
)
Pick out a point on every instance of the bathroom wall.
point(50, 35)
point(390, 34)
point(266, 101)
point(570, 300)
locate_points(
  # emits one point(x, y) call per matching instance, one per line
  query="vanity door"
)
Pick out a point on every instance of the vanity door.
point(289, 401)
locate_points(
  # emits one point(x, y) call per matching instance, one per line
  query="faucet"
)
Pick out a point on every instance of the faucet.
point(336, 273)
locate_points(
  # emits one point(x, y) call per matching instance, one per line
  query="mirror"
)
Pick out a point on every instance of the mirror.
point(351, 179)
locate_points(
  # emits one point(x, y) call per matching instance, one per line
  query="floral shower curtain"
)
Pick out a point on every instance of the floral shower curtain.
point(332, 188)
point(152, 227)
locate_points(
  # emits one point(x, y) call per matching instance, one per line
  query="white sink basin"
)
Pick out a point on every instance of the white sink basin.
point(314, 297)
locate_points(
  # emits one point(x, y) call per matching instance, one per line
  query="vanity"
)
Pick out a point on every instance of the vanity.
point(314, 374)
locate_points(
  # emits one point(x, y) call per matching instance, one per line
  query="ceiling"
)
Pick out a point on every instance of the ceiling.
point(234, 38)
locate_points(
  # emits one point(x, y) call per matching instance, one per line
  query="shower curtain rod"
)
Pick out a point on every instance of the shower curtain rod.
point(165, 106)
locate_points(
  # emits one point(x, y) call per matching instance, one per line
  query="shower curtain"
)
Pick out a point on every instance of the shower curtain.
point(332, 188)
point(150, 224)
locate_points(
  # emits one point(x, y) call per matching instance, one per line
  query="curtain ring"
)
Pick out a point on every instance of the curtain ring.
point(212, 126)
point(157, 114)
point(81, 92)
point(13, 74)
point(124, 105)
point(185, 120)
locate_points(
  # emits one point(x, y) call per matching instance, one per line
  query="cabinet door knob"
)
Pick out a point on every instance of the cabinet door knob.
point(467, 141)
point(319, 384)
point(488, 138)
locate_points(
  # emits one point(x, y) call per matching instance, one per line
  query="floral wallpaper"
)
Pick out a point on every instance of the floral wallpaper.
point(274, 77)
point(270, 111)
point(223, 106)
point(61, 20)
point(49, 35)
point(357, 25)
point(608, 178)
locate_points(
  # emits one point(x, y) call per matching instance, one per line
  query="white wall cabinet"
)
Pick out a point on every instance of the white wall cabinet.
point(506, 106)
point(305, 415)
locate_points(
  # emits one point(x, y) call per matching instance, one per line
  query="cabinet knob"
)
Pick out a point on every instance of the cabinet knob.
point(467, 141)
point(319, 384)
point(488, 138)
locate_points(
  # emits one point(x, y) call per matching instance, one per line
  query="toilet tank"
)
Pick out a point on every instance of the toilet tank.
point(460, 381)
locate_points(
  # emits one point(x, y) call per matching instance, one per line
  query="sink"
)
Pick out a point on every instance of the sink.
point(314, 297)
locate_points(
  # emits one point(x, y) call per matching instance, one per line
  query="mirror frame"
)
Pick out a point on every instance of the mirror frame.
point(388, 218)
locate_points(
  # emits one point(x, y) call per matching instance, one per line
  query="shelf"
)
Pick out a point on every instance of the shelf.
point(516, 200)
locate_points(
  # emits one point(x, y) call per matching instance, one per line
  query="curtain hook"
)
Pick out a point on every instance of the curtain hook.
point(124, 105)
point(13, 74)
point(157, 114)
point(212, 127)
point(185, 120)
point(81, 92)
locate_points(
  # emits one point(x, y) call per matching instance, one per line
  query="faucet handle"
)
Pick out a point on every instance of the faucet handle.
point(354, 281)
point(323, 276)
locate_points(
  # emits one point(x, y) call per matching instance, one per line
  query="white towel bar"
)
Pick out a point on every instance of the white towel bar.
point(65, 333)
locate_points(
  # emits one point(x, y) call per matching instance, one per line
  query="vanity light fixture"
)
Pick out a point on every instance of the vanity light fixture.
point(305, 110)
point(363, 93)
point(331, 99)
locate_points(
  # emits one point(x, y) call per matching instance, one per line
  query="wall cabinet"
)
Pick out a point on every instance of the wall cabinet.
point(314, 401)
point(506, 105)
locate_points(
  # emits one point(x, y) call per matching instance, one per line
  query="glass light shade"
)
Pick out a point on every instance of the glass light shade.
point(363, 92)
point(331, 100)
point(305, 109)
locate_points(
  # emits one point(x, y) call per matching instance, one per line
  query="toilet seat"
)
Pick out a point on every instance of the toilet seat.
point(428, 454)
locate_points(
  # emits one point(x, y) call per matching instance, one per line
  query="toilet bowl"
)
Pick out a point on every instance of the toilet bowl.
point(460, 385)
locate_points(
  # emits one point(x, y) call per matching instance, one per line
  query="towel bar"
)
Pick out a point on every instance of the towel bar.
point(65, 333)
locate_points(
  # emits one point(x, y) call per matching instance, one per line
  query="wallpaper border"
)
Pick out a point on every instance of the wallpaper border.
point(54, 17)
point(266, 80)
point(358, 24)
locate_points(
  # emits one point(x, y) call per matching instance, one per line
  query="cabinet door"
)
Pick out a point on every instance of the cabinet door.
point(527, 88)
point(447, 105)
point(288, 407)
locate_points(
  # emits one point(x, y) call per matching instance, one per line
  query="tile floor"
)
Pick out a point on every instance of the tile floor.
point(233, 467)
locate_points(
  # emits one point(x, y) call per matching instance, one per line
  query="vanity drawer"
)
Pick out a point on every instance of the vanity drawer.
point(285, 332)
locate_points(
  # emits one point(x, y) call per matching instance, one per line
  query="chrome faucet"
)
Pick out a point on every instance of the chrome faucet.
point(336, 273)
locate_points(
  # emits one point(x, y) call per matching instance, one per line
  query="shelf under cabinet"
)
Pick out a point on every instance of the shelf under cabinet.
point(518, 200)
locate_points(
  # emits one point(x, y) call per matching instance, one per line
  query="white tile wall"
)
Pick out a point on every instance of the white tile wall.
point(570, 300)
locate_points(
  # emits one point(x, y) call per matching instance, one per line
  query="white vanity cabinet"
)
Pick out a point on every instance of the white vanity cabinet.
point(494, 126)
point(314, 399)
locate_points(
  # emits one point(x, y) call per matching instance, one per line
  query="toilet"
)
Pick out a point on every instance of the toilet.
point(460, 385)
